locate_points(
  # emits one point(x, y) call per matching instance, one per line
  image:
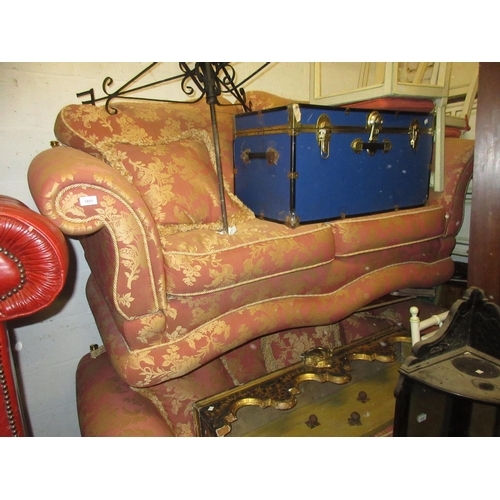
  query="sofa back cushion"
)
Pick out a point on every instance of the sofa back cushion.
point(177, 180)
point(166, 151)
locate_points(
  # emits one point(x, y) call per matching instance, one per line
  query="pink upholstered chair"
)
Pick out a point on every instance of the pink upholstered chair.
point(185, 312)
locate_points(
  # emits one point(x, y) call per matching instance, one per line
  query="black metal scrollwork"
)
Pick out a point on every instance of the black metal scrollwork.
point(211, 79)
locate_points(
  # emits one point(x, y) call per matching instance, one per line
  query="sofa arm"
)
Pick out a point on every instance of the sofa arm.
point(70, 187)
point(85, 196)
point(458, 165)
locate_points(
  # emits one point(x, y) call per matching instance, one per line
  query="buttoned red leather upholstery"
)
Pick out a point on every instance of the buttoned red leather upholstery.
point(33, 268)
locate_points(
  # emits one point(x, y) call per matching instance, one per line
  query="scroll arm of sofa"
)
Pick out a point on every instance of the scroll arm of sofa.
point(77, 190)
point(83, 195)
point(459, 163)
point(34, 260)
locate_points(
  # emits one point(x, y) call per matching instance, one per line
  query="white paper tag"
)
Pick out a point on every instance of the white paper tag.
point(86, 201)
point(421, 418)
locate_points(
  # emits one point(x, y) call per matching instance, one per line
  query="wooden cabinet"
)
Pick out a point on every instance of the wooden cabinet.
point(484, 244)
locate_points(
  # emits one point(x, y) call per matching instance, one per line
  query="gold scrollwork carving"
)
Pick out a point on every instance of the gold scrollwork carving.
point(214, 415)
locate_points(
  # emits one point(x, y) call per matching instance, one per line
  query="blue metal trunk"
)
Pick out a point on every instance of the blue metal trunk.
point(313, 163)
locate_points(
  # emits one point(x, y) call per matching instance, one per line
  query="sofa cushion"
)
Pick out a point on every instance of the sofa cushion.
point(177, 179)
point(157, 146)
point(389, 230)
point(88, 128)
point(203, 261)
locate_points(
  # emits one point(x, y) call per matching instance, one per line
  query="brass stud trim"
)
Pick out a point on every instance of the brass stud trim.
point(22, 274)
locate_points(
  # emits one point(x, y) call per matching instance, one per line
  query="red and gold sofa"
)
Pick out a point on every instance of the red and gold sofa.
point(185, 311)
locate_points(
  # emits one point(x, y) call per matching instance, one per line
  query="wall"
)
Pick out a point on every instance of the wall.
point(50, 344)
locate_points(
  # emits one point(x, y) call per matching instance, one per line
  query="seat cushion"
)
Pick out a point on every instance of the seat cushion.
point(203, 261)
point(389, 230)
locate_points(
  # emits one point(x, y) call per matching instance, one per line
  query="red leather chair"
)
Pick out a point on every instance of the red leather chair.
point(33, 268)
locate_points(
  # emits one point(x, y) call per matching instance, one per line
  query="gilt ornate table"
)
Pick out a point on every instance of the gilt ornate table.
point(348, 391)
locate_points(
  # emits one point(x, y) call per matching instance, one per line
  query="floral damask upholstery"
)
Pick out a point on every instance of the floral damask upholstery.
point(185, 311)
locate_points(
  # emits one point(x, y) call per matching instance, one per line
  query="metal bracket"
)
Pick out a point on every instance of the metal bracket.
point(292, 221)
point(211, 79)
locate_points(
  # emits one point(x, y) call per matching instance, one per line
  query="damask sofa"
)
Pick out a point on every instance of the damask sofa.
point(185, 311)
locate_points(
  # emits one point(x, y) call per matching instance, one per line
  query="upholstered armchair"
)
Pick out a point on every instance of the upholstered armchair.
point(185, 311)
point(33, 267)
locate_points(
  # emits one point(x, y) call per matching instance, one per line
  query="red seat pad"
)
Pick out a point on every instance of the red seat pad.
point(395, 104)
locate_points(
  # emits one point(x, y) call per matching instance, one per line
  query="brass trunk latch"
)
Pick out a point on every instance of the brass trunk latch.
point(414, 133)
point(374, 123)
point(323, 134)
